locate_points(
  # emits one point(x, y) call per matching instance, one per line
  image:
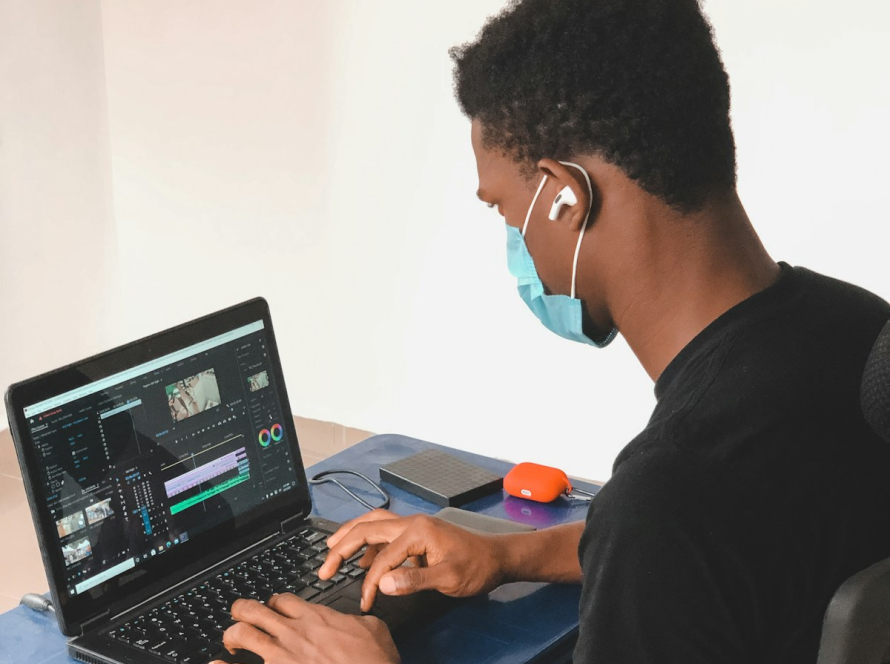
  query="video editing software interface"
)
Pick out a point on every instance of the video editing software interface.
point(146, 460)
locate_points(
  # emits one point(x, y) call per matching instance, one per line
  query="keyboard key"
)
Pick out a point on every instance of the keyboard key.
point(173, 650)
point(124, 637)
point(142, 643)
point(186, 634)
point(355, 572)
point(337, 578)
point(322, 585)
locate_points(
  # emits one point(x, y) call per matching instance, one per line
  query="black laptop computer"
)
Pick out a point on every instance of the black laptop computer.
point(165, 481)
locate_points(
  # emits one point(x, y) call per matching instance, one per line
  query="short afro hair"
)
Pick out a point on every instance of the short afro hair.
point(639, 83)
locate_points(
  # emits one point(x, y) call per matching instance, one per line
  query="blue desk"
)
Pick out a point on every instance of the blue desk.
point(518, 622)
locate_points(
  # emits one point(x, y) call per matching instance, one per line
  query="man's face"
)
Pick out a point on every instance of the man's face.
point(502, 185)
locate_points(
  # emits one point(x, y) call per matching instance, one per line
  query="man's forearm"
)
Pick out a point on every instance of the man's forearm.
point(544, 555)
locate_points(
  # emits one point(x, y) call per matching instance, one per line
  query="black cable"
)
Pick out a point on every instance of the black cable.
point(321, 478)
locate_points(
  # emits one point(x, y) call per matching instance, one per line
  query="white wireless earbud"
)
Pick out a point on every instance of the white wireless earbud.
point(564, 197)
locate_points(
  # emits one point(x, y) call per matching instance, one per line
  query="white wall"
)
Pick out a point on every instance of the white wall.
point(261, 147)
point(811, 102)
point(57, 241)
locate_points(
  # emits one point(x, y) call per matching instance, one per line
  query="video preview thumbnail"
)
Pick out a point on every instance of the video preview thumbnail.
point(193, 395)
point(75, 551)
point(99, 511)
point(70, 524)
point(258, 381)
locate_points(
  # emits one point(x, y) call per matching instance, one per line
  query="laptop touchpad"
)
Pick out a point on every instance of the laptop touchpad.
point(348, 605)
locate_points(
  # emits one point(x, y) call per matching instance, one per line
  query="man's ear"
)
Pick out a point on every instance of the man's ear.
point(568, 176)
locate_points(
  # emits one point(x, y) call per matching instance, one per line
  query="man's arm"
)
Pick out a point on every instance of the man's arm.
point(543, 555)
point(448, 558)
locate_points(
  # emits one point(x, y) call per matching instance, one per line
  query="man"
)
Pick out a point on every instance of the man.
point(601, 132)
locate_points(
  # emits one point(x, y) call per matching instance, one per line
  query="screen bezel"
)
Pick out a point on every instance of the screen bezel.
point(157, 574)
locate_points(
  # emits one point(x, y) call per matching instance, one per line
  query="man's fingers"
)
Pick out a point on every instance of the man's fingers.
point(407, 580)
point(247, 637)
point(380, 531)
point(291, 606)
point(391, 557)
point(288, 605)
point(375, 515)
point(369, 555)
point(259, 615)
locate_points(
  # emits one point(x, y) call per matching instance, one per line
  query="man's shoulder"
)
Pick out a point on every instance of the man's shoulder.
point(789, 366)
point(838, 300)
point(661, 483)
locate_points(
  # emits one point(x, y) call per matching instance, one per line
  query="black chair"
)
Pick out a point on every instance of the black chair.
point(856, 629)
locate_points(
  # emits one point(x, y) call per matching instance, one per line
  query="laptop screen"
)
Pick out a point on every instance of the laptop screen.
point(145, 461)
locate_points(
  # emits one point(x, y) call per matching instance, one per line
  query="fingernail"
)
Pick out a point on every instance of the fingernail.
point(388, 585)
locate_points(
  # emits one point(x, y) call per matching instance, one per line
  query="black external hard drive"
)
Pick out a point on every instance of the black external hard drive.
point(441, 478)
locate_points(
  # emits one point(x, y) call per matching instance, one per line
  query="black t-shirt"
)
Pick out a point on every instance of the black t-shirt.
point(754, 491)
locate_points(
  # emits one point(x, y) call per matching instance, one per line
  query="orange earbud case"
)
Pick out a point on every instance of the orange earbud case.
point(533, 481)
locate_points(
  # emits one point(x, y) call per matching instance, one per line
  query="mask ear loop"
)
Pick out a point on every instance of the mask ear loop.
point(583, 228)
point(528, 215)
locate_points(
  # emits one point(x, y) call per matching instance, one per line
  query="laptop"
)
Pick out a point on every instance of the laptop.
point(165, 481)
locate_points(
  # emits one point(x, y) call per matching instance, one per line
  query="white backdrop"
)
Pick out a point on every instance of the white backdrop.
point(313, 153)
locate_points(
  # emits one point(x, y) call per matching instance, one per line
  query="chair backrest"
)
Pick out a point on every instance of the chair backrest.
point(856, 629)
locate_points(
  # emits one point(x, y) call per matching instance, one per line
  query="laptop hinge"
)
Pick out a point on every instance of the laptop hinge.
point(94, 622)
point(292, 522)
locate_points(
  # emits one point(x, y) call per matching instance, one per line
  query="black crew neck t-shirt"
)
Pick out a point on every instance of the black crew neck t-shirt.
point(754, 491)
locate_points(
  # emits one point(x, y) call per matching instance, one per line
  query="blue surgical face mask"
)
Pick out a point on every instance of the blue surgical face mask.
point(559, 313)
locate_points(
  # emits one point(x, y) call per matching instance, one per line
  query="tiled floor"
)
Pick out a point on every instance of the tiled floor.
point(21, 569)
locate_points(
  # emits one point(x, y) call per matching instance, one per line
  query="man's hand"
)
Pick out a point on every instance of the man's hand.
point(441, 556)
point(287, 630)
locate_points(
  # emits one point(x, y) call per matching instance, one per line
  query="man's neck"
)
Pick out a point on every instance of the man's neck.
point(691, 270)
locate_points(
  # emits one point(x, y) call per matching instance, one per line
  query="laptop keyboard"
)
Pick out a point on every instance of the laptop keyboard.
point(189, 627)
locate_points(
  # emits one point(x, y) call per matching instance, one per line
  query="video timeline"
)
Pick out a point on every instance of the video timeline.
point(234, 464)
